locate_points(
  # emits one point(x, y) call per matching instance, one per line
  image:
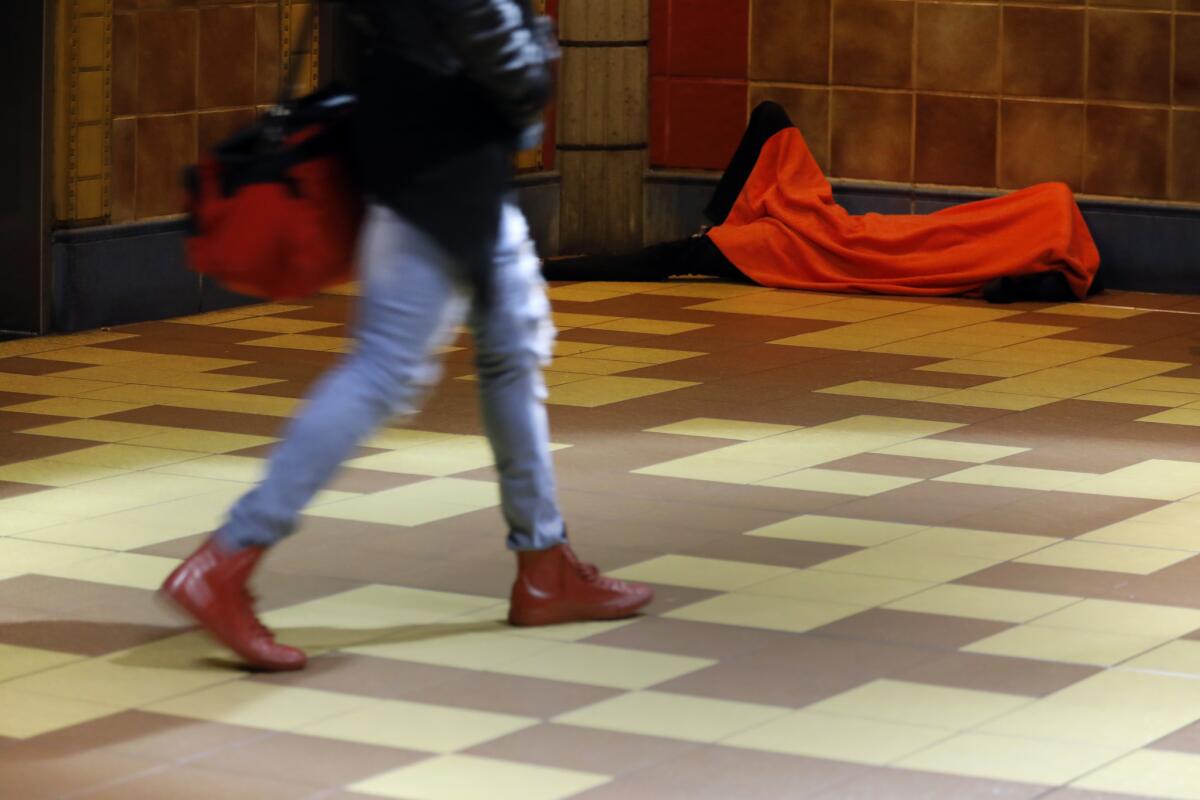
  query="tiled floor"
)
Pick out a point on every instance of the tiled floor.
point(903, 548)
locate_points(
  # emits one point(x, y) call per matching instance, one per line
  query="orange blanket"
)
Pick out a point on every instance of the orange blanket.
point(786, 231)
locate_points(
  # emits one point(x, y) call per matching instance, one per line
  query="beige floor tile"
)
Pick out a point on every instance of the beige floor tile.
point(50, 472)
point(1094, 310)
point(564, 319)
point(892, 561)
point(1017, 477)
point(920, 704)
point(944, 450)
point(1156, 479)
point(886, 391)
point(564, 348)
point(436, 459)
point(606, 390)
point(672, 716)
point(18, 556)
point(1135, 533)
point(415, 726)
point(581, 293)
point(837, 587)
point(1133, 619)
point(1108, 557)
point(1115, 708)
point(977, 602)
point(1175, 416)
point(641, 355)
point(656, 327)
point(452, 646)
point(1140, 397)
point(99, 430)
point(127, 457)
point(835, 481)
point(14, 521)
point(611, 667)
point(1180, 657)
point(238, 403)
point(765, 611)
point(257, 705)
point(1153, 773)
point(700, 573)
point(275, 325)
point(468, 777)
point(1011, 759)
point(841, 738)
point(723, 429)
point(987, 398)
point(118, 569)
point(835, 530)
point(50, 385)
point(203, 441)
point(17, 661)
point(300, 341)
point(88, 354)
point(27, 715)
point(1065, 645)
point(969, 366)
point(591, 364)
point(403, 438)
point(78, 407)
point(110, 495)
point(714, 467)
point(991, 545)
point(415, 504)
point(1169, 385)
point(239, 469)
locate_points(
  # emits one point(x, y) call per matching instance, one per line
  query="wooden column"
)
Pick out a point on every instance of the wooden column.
point(603, 123)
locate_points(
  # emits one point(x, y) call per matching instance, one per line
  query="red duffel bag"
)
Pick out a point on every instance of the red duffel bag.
point(275, 210)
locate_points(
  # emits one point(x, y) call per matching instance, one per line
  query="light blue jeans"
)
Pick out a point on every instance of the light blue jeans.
point(413, 296)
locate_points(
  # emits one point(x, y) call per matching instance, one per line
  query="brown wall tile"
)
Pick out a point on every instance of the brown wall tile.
point(124, 169)
point(809, 110)
point(216, 126)
point(165, 146)
point(227, 57)
point(1126, 151)
point(789, 40)
point(958, 47)
point(267, 70)
point(1162, 5)
point(872, 135)
point(1185, 158)
point(1187, 60)
point(1041, 142)
point(1187, 5)
point(1129, 56)
point(166, 61)
point(872, 42)
point(1043, 52)
point(956, 140)
point(125, 64)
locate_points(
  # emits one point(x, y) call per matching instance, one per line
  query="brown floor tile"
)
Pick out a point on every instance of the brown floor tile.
point(696, 639)
point(568, 747)
point(903, 466)
point(1184, 740)
point(720, 773)
point(901, 784)
point(915, 630)
point(989, 673)
point(37, 773)
point(1065, 514)
point(932, 503)
point(198, 419)
point(151, 736)
point(21, 421)
point(16, 447)
point(34, 366)
point(366, 481)
point(189, 783)
point(512, 694)
point(1082, 456)
point(776, 552)
point(1051, 580)
point(384, 678)
point(294, 759)
point(12, 489)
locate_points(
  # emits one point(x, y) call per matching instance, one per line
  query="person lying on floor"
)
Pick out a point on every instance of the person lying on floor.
point(777, 225)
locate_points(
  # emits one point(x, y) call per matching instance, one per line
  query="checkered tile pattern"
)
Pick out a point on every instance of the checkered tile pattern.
point(903, 549)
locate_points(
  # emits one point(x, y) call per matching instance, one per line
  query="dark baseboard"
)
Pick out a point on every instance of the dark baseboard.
point(120, 274)
point(1144, 246)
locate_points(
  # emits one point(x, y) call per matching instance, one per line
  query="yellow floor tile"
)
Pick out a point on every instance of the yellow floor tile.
point(132, 570)
point(889, 561)
point(237, 403)
point(989, 545)
point(1190, 386)
point(673, 716)
point(589, 364)
point(1050, 352)
point(834, 481)
point(1152, 773)
point(835, 530)
point(723, 429)
point(715, 467)
point(1140, 397)
point(656, 327)
point(1008, 758)
point(125, 457)
point(1094, 310)
point(969, 366)
point(1107, 557)
point(402, 438)
point(1068, 646)
point(596, 665)
point(415, 726)
point(240, 469)
point(300, 341)
point(1155, 479)
point(1179, 536)
point(885, 391)
point(110, 495)
point(977, 602)
point(416, 503)
point(921, 704)
point(78, 407)
point(49, 385)
point(985, 398)
point(468, 778)
point(98, 430)
point(257, 705)
point(19, 556)
point(1180, 657)
point(641, 355)
point(1133, 619)
point(860, 741)
point(581, 293)
point(766, 612)
point(1047, 480)
point(27, 715)
point(275, 325)
point(478, 646)
point(203, 441)
point(16, 661)
point(837, 587)
point(86, 354)
point(701, 573)
point(436, 460)
point(1175, 416)
point(565, 348)
point(48, 472)
point(606, 390)
point(570, 320)
point(1115, 708)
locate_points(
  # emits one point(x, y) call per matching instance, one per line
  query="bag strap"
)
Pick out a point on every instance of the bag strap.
point(286, 93)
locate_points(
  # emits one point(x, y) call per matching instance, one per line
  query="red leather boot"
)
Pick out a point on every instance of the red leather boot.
point(210, 586)
point(554, 586)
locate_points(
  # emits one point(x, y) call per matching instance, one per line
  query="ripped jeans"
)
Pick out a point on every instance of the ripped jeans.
point(413, 296)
